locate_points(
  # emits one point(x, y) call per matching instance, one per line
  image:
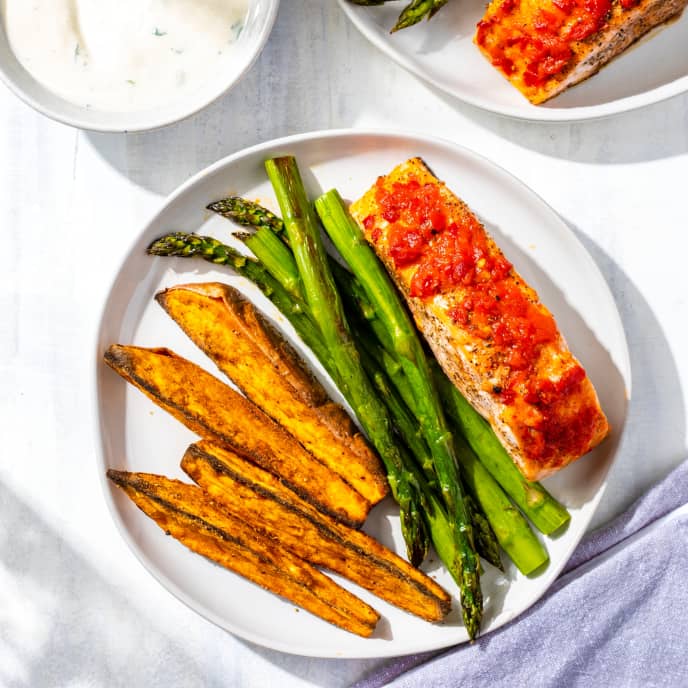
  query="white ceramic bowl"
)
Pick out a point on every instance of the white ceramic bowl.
point(259, 22)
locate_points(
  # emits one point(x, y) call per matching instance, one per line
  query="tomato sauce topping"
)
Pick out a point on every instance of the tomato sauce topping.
point(449, 252)
point(540, 39)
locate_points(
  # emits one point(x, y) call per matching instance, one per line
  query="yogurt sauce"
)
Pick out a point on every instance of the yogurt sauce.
point(123, 55)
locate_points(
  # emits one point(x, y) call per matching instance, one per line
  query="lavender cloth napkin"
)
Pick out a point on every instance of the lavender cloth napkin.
point(617, 616)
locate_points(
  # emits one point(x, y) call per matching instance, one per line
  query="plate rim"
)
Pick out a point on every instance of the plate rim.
point(98, 420)
point(581, 113)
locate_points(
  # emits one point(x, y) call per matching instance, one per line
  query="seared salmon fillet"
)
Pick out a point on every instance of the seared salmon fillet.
point(545, 46)
point(487, 328)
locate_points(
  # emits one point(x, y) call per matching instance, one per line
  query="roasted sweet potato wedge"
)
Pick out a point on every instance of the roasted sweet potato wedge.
point(214, 411)
point(255, 496)
point(189, 515)
point(244, 346)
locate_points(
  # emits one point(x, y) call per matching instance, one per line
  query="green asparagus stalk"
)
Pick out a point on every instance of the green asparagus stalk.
point(486, 543)
point(406, 425)
point(510, 526)
point(413, 13)
point(357, 301)
point(276, 257)
point(416, 11)
point(246, 213)
point(545, 512)
point(326, 309)
point(404, 422)
point(351, 244)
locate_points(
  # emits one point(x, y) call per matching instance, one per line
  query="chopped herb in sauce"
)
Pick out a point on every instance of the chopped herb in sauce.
point(236, 28)
point(111, 54)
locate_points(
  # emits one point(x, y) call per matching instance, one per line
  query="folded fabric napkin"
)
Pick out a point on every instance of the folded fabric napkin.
point(617, 616)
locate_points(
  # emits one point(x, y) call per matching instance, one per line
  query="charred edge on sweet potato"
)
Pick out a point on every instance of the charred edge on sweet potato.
point(158, 372)
point(190, 516)
point(250, 493)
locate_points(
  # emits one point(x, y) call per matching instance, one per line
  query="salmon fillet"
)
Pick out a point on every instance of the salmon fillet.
point(545, 46)
point(487, 328)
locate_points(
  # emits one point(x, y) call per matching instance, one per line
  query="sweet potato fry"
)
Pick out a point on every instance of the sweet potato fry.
point(255, 496)
point(214, 411)
point(190, 516)
point(244, 346)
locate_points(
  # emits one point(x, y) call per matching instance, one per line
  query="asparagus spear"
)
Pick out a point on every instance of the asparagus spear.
point(327, 312)
point(486, 543)
point(246, 213)
point(275, 255)
point(546, 513)
point(413, 13)
point(407, 427)
point(510, 526)
point(351, 244)
point(416, 11)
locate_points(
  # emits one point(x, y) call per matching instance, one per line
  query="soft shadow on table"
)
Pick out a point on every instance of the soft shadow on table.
point(656, 420)
point(62, 624)
point(650, 133)
point(328, 673)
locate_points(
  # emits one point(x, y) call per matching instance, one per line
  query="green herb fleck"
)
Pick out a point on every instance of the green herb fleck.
point(176, 51)
point(77, 50)
point(236, 28)
point(157, 32)
point(131, 82)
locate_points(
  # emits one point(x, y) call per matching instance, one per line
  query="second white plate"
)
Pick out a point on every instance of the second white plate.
point(442, 52)
point(136, 435)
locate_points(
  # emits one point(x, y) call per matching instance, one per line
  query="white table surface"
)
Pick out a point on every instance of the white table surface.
point(76, 608)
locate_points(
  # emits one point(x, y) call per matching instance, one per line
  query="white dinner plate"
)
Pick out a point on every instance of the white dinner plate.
point(442, 52)
point(136, 435)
